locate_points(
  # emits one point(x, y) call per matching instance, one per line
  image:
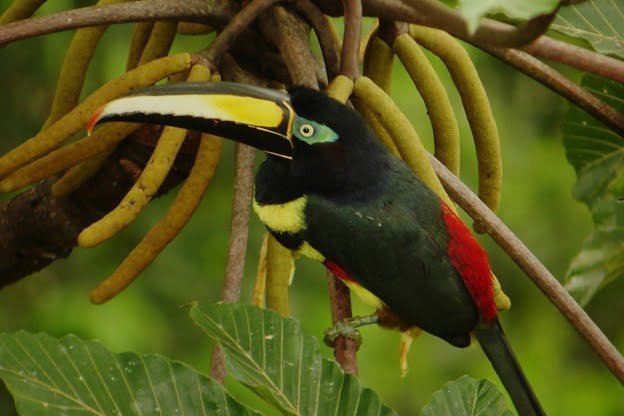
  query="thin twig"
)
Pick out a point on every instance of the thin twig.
point(552, 79)
point(527, 261)
point(351, 40)
point(331, 53)
point(239, 231)
point(577, 57)
point(213, 12)
point(240, 22)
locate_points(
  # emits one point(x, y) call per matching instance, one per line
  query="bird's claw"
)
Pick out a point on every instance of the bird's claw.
point(345, 329)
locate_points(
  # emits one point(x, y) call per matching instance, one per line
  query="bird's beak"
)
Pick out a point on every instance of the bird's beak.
point(260, 117)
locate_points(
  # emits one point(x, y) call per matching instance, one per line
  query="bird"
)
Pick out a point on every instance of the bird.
point(329, 190)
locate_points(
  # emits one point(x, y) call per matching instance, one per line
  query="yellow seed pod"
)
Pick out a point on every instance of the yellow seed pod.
point(75, 120)
point(259, 290)
point(140, 36)
point(340, 88)
point(20, 9)
point(148, 183)
point(439, 109)
point(68, 156)
point(169, 226)
point(407, 337)
point(402, 132)
point(280, 267)
point(79, 174)
point(159, 43)
point(378, 62)
point(193, 29)
point(476, 106)
point(372, 121)
point(74, 70)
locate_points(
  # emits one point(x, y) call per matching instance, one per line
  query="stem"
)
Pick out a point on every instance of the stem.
point(212, 12)
point(553, 80)
point(351, 38)
point(239, 231)
point(530, 264)
point(240, 22)
point(345, 350)
point(576, 57)
point(323, 31)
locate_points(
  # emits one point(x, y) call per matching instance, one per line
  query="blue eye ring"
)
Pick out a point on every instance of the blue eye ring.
point(306, 130)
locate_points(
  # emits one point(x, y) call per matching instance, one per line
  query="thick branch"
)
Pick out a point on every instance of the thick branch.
point(491, 33)
point(240, 22)
point(345, 350)
point(289, 35)
point(351, 40)
point(552, 79)
point(37, 228)
point(576, 57)
point(531, 265)
point(435, 14)
point(331, 54)
point(213, 12)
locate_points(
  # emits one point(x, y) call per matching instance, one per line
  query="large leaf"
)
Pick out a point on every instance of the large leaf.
point(597, 155)
point(68, 376)
point(473, 10)
point(467, 397)
point(600, 22)
point(269, 354)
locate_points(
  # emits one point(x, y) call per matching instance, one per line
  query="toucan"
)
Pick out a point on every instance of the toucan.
point(329, 190)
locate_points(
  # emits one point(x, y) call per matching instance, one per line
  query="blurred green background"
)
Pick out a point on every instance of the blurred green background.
point(148, 318)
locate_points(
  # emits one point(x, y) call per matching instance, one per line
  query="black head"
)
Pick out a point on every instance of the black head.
point(333, 147)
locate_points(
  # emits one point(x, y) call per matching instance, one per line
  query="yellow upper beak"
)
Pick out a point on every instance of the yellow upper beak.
point(256, 116)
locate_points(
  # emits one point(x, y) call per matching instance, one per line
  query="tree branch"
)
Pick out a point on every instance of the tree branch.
point(531, 265)
point(553, 80)
point(239, 23)
point(576, 57)
point(213, 12)
point(237, 246)
point(331, 54)
point(349, 58)
point(289, 35)
point(435, 14)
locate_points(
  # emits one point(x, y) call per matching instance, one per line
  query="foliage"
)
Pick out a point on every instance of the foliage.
point(266, 352)
point(473, 10)
point(600, 22)
point(49, 376)
point(467, 397)
point(597, 155)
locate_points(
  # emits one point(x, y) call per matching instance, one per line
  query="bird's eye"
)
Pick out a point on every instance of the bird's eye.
point(306, 130)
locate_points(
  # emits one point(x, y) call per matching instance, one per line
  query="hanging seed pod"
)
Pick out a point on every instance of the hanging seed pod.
point(75, 120)
point(20, 9)
point(140, 36)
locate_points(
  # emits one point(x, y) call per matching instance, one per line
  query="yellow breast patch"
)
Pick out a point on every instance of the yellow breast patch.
point(286, 218)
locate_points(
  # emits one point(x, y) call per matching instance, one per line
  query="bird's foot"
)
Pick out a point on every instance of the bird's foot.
point(348, 328)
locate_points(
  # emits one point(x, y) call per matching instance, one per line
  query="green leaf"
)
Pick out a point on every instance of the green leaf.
point(68, 376)
point(269, 354)
point(473, 10)
point(600, 22)
point(467, 397)
point(597, 154)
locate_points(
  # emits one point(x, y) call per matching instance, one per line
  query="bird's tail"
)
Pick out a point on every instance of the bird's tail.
point(499, 352)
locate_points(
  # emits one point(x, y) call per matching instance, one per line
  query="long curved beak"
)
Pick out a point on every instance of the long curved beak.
point(260, 117)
